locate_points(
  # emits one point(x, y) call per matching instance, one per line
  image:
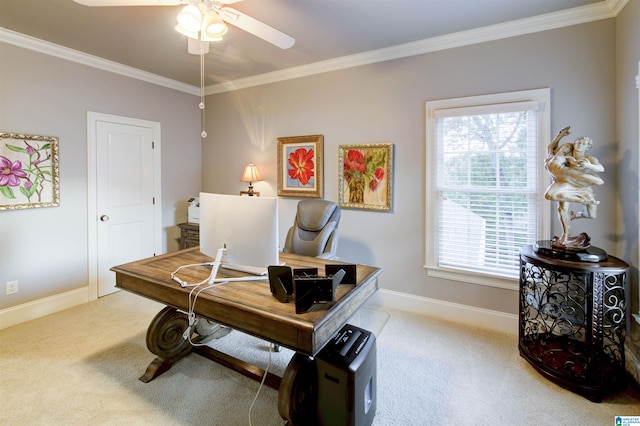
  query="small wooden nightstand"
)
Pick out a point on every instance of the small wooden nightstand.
point(189, 234)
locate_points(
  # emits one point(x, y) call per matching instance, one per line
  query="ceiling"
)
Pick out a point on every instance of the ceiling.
point(144, 37)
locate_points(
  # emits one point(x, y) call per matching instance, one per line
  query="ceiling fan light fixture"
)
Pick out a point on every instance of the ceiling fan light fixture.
point(213, 28)
point(197, 47)
point(189, 18)
point(191, 34)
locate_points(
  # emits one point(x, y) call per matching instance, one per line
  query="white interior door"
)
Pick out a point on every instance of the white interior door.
point(126, 205)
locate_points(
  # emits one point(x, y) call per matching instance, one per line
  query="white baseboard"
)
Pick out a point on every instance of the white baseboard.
point(41, 307)
point(454, 312)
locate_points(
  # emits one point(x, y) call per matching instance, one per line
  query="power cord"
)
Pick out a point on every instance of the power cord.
point(264, 377)
point(193, 319)
point(197, 288)
point(185, 284)
point(191, 315)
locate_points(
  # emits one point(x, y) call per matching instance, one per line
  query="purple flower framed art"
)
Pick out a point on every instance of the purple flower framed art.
point(300, 166)
point(29, 171)
point(365, 176)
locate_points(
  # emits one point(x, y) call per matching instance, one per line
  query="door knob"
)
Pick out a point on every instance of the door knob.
point(104, 218)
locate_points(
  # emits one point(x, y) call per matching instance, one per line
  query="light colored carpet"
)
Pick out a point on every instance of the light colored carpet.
point(81, 367)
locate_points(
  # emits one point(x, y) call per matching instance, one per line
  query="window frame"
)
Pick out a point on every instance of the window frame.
point(542, 97)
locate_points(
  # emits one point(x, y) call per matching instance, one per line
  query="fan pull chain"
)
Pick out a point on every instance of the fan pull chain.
point(202, 116)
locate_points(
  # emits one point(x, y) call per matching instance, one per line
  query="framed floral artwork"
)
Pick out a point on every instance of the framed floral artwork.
point(29, 171)
point(300, 166)
point(365, 176)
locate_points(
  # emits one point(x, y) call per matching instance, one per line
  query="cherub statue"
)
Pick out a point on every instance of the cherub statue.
point(572, 175)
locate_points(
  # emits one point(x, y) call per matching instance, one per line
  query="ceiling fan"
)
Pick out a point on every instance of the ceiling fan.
point(204, 20)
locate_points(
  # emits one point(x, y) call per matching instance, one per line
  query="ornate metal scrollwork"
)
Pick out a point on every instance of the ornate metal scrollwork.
point(553, 311)
point(613, 317)
point(573, 322)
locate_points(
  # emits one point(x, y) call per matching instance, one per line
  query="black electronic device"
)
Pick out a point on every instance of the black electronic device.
point(312, 289)
point(281, 282)
point(346, 378)
point(305, 287)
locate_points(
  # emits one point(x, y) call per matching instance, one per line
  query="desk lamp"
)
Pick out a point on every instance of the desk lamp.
point(251, 175)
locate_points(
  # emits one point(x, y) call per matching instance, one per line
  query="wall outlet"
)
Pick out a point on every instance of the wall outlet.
point(12, 287)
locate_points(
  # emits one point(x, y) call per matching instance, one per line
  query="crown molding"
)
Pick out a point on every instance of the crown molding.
point(579, 15)
point(548, 21)
point(47, 48)
point(616, 6)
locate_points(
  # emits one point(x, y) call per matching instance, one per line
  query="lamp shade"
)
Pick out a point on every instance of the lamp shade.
point(190, 34)
point(189, 18)
point(251, 174)
point(213, 28)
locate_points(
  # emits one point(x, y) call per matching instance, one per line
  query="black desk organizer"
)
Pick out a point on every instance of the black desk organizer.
point(305, 287)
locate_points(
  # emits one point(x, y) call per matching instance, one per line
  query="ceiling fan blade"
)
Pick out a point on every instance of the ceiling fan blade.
point(131, 2)
point(257, 28)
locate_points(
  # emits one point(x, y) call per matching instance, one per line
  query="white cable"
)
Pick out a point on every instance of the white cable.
point(191, 315)
point(184, 283)
point(192, 265)
point(266, 371)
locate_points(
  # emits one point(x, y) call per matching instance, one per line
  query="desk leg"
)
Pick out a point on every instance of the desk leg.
point(248, 370)
point(164, 338)
point(297, 394)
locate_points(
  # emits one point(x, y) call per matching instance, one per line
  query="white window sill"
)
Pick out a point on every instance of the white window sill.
point(473, 277)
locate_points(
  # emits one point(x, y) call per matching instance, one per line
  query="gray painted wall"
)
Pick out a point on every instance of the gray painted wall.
point(628, 60)
point(384, 102)
point(46, 249)
point(628, 195)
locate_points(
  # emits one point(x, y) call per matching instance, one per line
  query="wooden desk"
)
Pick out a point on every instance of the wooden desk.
point(246, 306)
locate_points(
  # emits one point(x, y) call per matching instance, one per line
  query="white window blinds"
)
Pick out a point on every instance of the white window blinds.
point(486, 186)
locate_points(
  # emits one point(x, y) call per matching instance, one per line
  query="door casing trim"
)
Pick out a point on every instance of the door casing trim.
point(92, 191)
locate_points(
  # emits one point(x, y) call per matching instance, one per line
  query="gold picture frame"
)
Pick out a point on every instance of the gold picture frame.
point(300, 166)
point(365, 176)
point(29, 171)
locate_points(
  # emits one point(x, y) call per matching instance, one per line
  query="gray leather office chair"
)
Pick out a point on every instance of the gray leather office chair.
point(315, 230)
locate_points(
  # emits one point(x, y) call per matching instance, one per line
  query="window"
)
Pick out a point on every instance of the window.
point(485, 184)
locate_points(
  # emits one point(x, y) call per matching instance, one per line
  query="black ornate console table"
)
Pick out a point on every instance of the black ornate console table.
point(573, 321)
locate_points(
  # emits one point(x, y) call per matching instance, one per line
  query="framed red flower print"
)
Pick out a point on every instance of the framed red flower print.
point(365, 176)
point(300, 166)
